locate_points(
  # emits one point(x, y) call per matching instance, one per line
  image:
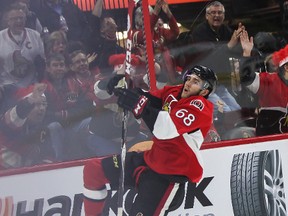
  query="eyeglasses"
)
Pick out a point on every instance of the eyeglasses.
point(213, 13)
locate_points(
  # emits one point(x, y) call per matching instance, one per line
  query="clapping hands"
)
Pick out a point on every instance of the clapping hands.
point(236, 35)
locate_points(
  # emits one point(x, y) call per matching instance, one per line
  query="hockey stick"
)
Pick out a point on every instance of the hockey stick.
point(123, 158)
point(149, 58)
point(131, 6)
point(149, 53)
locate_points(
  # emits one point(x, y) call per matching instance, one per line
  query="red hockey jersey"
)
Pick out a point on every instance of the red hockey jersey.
point(272, 91)
point(179, 131)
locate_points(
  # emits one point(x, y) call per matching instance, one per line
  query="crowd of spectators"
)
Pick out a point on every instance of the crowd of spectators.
point(55, 63)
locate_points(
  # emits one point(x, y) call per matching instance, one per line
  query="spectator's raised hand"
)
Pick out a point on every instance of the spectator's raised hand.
point(91, 57)
point(246, 43)
point(235, 36)
point(166, 9)
point(157, 7)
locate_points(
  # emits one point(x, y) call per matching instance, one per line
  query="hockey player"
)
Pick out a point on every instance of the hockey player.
point(179, 118)
point(271, 89)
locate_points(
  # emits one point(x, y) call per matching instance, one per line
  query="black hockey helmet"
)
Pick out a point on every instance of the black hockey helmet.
point(206, 74)
point(265, 42)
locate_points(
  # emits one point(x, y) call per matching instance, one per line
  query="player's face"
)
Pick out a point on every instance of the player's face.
point(215, 16)
point(16, 21)
point(192, 86)
point(56, 69)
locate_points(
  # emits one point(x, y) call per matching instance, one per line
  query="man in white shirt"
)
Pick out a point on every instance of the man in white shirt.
point(18, 39)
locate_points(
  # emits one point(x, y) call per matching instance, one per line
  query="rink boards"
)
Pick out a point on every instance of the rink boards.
point(228, 168)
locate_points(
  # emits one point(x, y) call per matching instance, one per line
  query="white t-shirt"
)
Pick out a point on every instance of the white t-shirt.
point(30, 46)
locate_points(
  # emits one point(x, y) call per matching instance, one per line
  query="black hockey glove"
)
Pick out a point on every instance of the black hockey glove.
point(131, 100)
point(247, 70)
point(113, 82)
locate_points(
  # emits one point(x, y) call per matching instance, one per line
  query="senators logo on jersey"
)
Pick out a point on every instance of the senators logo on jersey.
point(168, 104)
